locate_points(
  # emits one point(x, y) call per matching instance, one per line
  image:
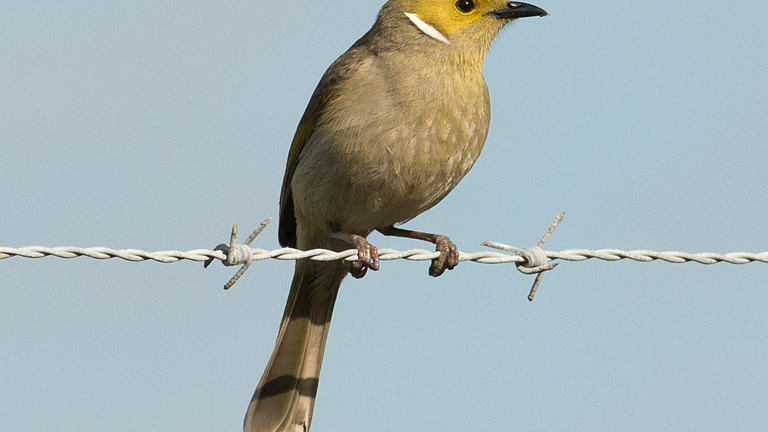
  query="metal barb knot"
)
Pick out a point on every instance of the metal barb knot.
point(535, 259)
point(237, 254)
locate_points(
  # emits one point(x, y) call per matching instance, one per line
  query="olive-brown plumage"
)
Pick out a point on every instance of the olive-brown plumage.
point(393, 126)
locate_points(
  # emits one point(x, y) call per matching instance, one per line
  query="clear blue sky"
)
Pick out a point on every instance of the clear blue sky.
point(159, 124)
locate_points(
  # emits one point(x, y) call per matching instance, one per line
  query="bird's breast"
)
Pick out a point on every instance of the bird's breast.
point(421, 157)
point(388, 150)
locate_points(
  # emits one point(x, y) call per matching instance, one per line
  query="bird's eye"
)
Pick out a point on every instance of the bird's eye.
point(466, 6)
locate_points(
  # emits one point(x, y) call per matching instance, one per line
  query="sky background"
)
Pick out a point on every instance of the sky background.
point(158, 124)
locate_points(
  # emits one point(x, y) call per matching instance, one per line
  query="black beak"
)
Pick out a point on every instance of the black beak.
point(516, 10)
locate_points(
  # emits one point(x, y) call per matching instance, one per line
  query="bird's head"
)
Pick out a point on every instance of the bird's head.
point(456, 22)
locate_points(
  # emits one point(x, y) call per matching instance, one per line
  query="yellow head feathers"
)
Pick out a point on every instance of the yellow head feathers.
point(448, 17)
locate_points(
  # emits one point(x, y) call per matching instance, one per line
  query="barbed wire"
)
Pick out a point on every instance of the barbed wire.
point(528, 260)
point(289, 254)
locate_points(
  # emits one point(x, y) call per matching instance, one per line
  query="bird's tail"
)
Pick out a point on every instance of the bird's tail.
point(285, 396)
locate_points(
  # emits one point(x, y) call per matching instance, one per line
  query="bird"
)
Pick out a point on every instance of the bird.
point(392, 127)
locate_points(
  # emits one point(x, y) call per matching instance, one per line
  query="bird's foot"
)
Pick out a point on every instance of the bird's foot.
point(449, 256)
point(449, 253)
point(367, 254)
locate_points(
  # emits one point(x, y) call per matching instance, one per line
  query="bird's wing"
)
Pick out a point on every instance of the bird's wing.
point(335, 77)
point(287, 227)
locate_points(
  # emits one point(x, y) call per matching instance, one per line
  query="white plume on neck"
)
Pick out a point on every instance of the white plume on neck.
point(426, 28)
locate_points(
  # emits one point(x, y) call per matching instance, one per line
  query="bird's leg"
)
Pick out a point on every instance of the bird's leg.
point(367, 254)
point(449, 253)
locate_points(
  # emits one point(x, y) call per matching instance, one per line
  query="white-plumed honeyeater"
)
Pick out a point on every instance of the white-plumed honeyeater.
point(394, 125)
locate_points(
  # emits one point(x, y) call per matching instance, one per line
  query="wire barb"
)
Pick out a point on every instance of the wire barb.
point(237, 254)
point(535, 260)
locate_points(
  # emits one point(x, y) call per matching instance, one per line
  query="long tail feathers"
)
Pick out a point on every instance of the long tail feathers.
point(285, 396)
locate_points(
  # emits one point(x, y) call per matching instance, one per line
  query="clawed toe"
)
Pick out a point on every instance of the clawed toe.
point(356, 268)
point(448, 259)
point(367, 255)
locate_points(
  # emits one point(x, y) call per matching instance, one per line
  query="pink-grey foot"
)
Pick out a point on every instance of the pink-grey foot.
point(367, 254)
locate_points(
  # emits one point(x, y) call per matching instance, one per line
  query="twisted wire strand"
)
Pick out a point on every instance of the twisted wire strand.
point(289, 254)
